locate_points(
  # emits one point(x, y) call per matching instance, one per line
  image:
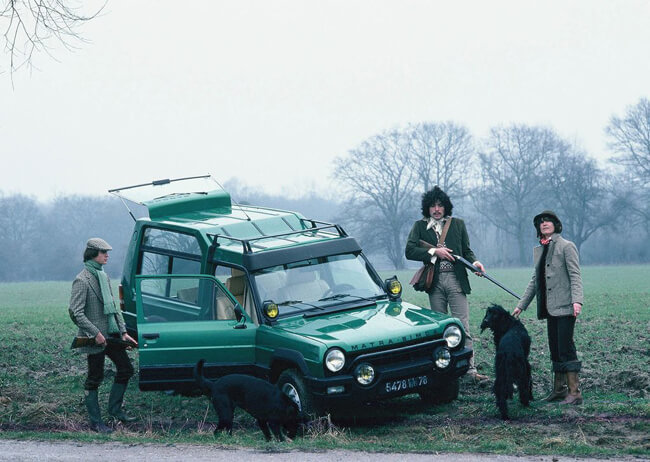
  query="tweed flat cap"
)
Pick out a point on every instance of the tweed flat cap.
point(97, 243)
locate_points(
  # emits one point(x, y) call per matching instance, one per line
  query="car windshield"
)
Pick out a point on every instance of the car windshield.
point(317, 283)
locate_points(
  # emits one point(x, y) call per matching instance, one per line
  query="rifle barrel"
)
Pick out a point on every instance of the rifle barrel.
point(485, 275)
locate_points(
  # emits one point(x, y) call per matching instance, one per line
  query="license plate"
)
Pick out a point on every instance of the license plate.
point(406, 384)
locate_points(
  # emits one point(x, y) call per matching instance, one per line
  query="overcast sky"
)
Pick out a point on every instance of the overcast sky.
point(270, 92)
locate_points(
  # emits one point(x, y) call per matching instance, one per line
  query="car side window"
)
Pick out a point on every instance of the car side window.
point(171, 240)
point(167, 252)
point(183, 299)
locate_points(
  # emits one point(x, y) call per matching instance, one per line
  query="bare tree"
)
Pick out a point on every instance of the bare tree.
point(380, 186)
point(633, 200)
point(512, 170)
point(580, 190)
point(441, 153)
point(30, 26)
point(630, 139)
point(21, 235)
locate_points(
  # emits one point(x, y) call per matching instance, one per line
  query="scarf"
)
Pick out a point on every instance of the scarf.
point(436, 225)
point(542, 311)
point(109, 304)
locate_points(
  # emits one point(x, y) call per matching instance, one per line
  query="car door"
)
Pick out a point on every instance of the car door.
point(184, 318)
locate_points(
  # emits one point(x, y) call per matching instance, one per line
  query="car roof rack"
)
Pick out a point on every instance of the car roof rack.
point(249, 243)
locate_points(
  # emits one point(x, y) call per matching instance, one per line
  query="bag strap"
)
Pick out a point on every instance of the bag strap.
point(443, 236)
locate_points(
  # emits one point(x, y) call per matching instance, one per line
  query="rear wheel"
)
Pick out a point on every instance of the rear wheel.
point(441, 393)
point(292, 383)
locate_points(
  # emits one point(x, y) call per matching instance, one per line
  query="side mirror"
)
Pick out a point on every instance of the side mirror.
point(239, 314)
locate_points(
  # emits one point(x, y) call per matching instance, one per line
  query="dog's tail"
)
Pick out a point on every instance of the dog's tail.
point(199, 378)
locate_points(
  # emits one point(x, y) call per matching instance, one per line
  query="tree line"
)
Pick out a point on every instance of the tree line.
point(497, 185)
point(44, 241)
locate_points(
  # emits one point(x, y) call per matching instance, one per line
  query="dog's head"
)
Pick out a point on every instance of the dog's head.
point(293, 419)
point(496, 318)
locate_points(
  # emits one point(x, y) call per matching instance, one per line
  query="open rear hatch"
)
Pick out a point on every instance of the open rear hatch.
point(175, 196)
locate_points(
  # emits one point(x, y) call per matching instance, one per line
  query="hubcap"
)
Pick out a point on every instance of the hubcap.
point(289, 390)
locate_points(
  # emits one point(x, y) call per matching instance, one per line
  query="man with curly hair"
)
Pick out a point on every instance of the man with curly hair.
point(450, 286)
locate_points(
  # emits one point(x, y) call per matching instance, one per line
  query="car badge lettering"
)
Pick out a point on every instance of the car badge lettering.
point(391, 341)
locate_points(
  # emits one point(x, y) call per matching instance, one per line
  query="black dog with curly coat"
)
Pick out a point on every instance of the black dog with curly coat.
point(511, 362)
point(265, 402)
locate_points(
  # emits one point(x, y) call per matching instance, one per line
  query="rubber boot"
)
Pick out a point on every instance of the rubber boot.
point(574, 396)
point(560, 390)
point(115, 400)
point(95, 415)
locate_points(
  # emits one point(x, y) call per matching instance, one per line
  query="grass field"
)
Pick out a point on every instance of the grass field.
point(41, 384)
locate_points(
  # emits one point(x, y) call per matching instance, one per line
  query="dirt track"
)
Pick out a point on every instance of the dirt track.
point(11, 450)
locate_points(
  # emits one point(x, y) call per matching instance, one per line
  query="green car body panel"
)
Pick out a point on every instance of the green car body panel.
point(203, 276)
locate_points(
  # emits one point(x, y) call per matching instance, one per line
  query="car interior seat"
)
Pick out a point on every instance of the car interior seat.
point(237, 285)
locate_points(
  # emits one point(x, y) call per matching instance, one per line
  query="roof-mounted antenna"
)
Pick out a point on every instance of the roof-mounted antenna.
point(233, 201)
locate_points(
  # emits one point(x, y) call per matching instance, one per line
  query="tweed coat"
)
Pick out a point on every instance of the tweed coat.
point(457, 240)
point(563, 280)
point(87, 309)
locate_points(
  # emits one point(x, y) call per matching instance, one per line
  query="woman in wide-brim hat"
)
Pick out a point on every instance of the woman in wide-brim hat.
point(557, 285)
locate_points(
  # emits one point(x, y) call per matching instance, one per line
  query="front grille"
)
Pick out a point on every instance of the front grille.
point(396, 355)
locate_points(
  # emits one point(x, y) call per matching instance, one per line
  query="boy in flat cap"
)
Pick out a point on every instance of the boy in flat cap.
point(93, 310)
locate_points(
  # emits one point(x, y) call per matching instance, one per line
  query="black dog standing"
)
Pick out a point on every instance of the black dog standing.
point(265, 402)
point(511, 361)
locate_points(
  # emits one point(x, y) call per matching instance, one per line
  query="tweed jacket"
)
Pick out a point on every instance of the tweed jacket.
point(87, 310)
point(563, 280)
point(457, 240)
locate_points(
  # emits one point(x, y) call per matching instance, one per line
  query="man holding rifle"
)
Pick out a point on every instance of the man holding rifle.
point(433, 240)
point(102, 329)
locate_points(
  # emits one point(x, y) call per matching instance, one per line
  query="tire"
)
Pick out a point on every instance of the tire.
point(441, 393)
point(292, 384)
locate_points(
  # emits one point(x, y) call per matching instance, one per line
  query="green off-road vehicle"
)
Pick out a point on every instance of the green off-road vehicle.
point(272, 294)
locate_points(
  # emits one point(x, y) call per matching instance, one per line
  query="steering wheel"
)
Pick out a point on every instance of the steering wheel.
point(338, 289)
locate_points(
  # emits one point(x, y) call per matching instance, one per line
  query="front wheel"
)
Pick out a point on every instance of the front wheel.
point(292, 383)
point(441, 393)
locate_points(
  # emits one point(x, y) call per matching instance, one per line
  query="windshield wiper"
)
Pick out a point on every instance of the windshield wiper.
point(289, 302)
point(333, 297)
point(300, 302)
point(338, 296)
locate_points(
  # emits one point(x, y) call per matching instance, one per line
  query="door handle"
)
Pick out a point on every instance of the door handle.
point(151, 336)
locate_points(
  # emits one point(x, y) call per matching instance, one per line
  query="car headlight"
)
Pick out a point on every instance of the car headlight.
point(453, 336)
point(442, 358)
point(335, 360)
point(364, 374)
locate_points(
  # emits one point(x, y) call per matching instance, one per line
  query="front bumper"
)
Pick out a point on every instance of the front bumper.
point(409, 378)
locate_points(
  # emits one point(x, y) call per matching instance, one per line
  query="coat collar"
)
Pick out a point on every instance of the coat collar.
point(93, 283)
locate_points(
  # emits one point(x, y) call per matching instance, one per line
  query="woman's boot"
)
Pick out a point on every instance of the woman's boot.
point(92, 404)
point(574, 396)
point(115, 400)
point(560, 390)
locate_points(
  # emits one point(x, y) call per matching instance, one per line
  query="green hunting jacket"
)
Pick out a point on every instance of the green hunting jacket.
point(457, 240)
point(87, 310)
point(563, 280)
